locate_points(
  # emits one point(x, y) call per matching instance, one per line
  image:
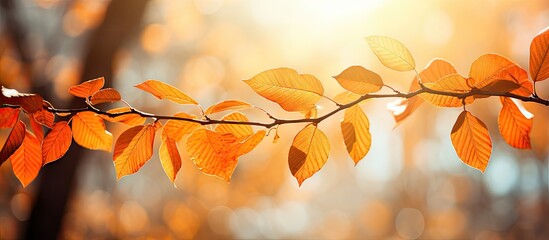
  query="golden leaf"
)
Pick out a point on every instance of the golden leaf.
point(165, 91)
point(214, 153)
point(240, 131)
point(87, 88)
point(392, 53)
point(453, 83)
point(308, 153)
point(134, 148)
point(27, 160)
point(359, 80)
point(346, 97)
point(251, 142)
point(105, 96)
point(227, 105)
point(355, 128)
point(176, 129)
point(169, 157)
point(515, 123)
point(89, 131)
point(292, 91)
point(539, 56)
point(130, 119)
point(471, 141)
point(57, 142)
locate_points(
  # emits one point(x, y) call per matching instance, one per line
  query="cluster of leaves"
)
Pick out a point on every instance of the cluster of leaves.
point(215, 145)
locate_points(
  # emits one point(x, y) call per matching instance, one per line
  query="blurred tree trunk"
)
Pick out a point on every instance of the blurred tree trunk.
point(121, 22)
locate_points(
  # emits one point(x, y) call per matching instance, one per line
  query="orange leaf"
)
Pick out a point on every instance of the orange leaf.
point(346, 97)
point(176, 129)
point(14, 140)
point(27, 160)
point(8, 117)
point(454, 83)
point(131, 119)
point(57, 142)
point(515, 123)
point(495, 73)
point(165, 91)
point(89, 131)
point(435, 70)
point(37, 129)
point(292, 91)
point(359, 80)
point(87, 88)
point(214, 153)
point(471, 141)
point(308, 153)
point(29, 102)
point(240, 131)
point(44, 118)
point(250, 143)
point(227, 105)
point(356, 133)
point(169, 157)
point(105, 96)
point(134, 148)
point(539, 56)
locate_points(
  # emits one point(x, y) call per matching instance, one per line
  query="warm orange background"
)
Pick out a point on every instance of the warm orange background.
point(410, 185)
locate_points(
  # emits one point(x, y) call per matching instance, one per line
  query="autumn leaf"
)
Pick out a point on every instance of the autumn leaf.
point(8, 117)
point(539, 56)
point(311, 113)
point(251, 142)
point(31, 103)
point(214, 153)
point(515, 123)
point(87, 88)
point(89, 131)
point(435, 70)
point(37, 129)
point(134, 148)
point(292, 91)
point(27, 160)
point(130, 119)
point(240, 131)
point(346, 97)
point(453, 83)
point(356, 134)
point(165, 91)
point(227, 105)
point(170, 157)
point(359, 80)
point(105, 96)
point(308, 153)
point(14, 140)
point(495, 73)
point(44, 118)
point(57, 142)
point(471, 141)
point(176, 129)
point(392, 53)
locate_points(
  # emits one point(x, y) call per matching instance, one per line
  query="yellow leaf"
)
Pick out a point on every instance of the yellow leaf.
point(346, 97)
point(453, 83)
point(435, 70)
point(57, 142)
point(292, 91)
point(176, 129)
point(165, 91)
point(131, 119)
point(539, 56)
point(214, 153)
point(87, 88)
point(105, 96)
point(515, 123)
point(240, 131)
point(14, 140)
point(359, 80)
point(27, 160)
point(8, 117)
point(134, 148)
point(89, 131)
point(308, 153)
point(170, 157)
point(227, 105)
point(249, 144)
point(471, 141)
point(356, 134)
point(392, 53)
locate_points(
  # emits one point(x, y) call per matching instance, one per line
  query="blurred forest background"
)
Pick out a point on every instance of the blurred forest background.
point(410, 185)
